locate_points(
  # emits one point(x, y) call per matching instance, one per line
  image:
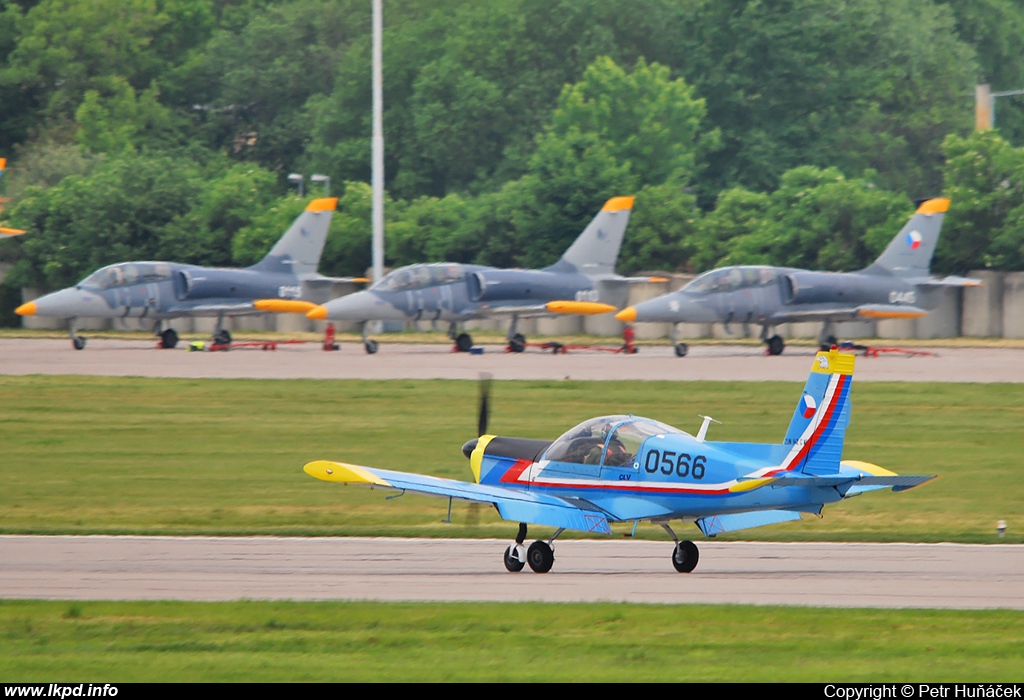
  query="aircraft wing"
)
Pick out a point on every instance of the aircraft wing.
point(241, 308)
point(552, 308)
point(321, 280)
point(618, 279)
point(512, 504)
point(951, 281)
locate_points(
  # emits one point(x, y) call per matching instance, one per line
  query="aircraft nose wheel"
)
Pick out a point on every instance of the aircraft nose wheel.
point(540, 557)
point(464, 342)
point(78, 342)
point(682, 349)
point(512, 560)
point(370, 346)
point(685, 556)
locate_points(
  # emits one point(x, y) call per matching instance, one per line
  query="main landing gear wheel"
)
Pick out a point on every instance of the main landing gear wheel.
point(512, 562)
point(517, 343)
point(168, 339)
point(223, 337)
point(78, 342)
point(370, 346)
point(682, 349)
point(540, 557)
point(463, 342)
point(775, 345)
point(829, 342)
point(685, 556)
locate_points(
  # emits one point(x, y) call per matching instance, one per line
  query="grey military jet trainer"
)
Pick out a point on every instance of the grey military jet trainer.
point(583, 281)
point(897, 285)
point(285, 280)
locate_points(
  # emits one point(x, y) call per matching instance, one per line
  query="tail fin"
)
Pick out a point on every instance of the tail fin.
point(299, 249)
point(596, 250)
point(818, 428)
point(909, 254)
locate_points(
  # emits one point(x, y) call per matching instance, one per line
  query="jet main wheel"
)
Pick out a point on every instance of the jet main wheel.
point(682, 349)
point(78, 342)
point(168, 339)
point(463, 342)
point(540, 557)
point(512, 562)
point(829, 342)
point(775, 345)
point(517, 343)
point(223, 338)
point(685, 557)
point(371, 347)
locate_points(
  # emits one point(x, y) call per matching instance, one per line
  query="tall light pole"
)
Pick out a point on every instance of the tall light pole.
point(377, 176)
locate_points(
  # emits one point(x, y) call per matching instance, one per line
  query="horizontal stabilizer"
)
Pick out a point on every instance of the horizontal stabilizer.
point(951, 281)
point(845, 483)
point(715, 524)
point(322, 280)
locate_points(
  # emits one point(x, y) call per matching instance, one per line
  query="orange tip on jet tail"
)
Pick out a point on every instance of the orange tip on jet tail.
point(618, 204)
point(323, 204)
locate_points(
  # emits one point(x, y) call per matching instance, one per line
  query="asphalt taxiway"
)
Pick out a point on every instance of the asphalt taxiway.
point(404, 361)
point(393, 569)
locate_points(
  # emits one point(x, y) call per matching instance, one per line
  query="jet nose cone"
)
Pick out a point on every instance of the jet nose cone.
point(28, 309)
point(67, 303)
point(361, 306)
point(317, 313)
point(627, 315)
point(674, 308)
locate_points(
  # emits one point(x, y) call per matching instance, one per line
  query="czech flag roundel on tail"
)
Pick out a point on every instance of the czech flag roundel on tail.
point(914, 240)
point(808, 406)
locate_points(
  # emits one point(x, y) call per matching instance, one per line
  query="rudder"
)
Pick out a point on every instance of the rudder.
point(596, 251)
point(818, 428)
point(301, 246)
point(909, 254)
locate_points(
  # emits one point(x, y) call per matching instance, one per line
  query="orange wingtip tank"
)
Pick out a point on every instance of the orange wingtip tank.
point(284, 305)
point(10, 231)
point(587, 308)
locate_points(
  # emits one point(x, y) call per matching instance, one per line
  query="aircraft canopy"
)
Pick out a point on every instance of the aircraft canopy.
point(418, 276)
point(729, 278)
point(608, 440)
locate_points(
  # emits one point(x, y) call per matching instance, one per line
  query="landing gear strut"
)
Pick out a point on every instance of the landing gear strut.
point(827, 337)
point(680, 348)
point(775, 343)
point(77, 341)
point(221, 335)
point(369, 344)
point(685, 555)
point(516, 340)
point(540, 556)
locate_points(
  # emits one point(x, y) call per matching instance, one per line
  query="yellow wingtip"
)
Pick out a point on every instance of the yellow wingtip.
point(342, 473)
point(323, 204)
point(939, 205)
point(618, 204)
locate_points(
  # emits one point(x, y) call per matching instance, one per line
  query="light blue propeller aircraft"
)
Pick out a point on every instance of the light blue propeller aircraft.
point(627, 469)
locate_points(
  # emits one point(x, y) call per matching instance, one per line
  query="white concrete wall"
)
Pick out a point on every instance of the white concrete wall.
point(1013, 305)
point(982, 310)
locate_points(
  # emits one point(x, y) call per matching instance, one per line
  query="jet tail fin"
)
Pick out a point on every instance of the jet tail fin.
point(596, 250)
point(301, 246)
point(909, 254)
point(818, 428)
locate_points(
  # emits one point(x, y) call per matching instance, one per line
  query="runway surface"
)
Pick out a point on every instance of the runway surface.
point(207, 568)
point(399, 361)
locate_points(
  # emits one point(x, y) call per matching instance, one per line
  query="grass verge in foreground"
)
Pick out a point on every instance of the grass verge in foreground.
point(337, 641)
point(87, 455)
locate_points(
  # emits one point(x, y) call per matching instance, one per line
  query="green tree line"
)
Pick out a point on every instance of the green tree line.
point(792, 132)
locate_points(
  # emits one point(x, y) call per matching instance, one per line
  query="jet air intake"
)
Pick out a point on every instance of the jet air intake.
point(503, 285)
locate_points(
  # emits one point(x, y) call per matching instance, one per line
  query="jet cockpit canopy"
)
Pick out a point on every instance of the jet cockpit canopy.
point(126, 274)
point(419, 276)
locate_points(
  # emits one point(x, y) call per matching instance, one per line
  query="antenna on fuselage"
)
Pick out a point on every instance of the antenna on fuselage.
point(704, 427)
